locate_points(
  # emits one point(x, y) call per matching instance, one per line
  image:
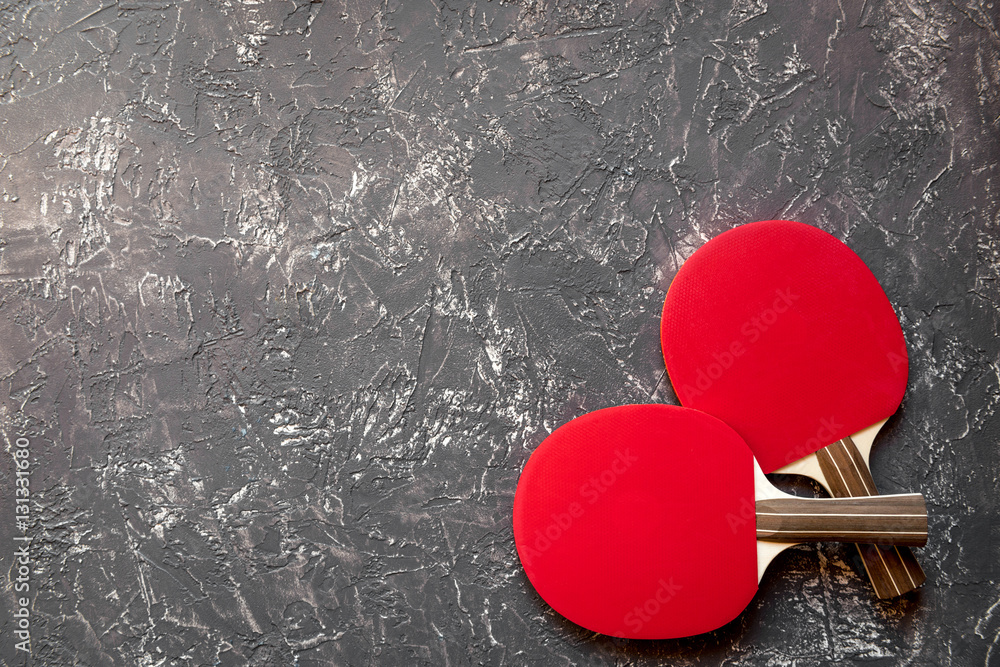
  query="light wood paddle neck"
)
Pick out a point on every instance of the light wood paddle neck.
point(851, 462)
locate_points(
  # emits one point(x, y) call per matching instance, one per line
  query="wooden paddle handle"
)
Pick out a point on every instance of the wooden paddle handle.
point(893, 570)
point(897, 519)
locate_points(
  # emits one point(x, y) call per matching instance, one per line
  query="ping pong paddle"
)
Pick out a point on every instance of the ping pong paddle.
point(654, 521)
point(780, 330)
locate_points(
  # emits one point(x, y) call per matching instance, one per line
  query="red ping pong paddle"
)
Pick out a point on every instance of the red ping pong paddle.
point(780, 330)
point(654, 521)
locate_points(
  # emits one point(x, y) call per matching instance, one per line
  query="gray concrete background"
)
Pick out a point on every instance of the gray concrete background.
point(289, 291)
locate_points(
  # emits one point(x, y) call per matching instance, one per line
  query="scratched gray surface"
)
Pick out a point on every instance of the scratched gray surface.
point(291, 290)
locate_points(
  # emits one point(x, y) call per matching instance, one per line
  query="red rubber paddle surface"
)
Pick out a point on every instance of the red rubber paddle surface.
point(780, 330)
point(638, 521)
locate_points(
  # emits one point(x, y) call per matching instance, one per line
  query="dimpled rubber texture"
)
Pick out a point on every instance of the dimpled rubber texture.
point(638, 522)
point(780, 330)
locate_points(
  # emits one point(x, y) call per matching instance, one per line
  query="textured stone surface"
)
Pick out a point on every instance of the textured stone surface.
point(289, 291)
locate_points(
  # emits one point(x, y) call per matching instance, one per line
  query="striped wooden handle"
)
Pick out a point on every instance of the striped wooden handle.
point(898, 519)
point(893, 570)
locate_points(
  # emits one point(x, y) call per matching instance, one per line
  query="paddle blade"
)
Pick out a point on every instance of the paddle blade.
point(638, 521)
point(781, 331)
